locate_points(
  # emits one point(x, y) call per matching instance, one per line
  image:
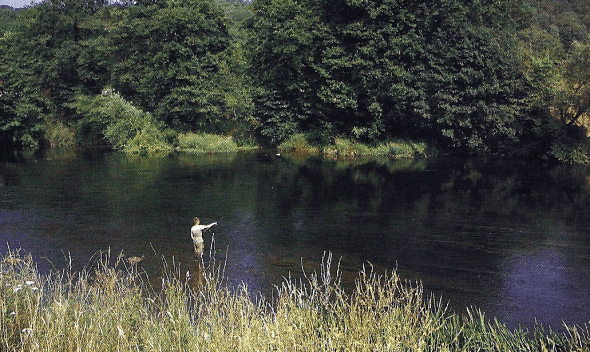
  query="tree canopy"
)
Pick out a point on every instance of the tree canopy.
point(469, 76)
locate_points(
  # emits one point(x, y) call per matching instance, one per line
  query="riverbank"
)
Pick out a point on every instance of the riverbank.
point(114, 307)
point(342, 148)
point(299, 145)
point(204, 143)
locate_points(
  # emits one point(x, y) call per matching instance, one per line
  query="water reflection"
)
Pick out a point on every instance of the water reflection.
point(544, 283)
point(509, 237)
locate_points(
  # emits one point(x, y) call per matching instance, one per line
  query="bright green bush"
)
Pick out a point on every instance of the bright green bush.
point(124, 127)
point(149, 140)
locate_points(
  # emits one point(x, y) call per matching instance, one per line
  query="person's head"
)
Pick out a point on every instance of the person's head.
point(196, 220)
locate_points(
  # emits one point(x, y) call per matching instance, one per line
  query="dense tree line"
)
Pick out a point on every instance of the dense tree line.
point(174, 60)
point(469, 76)
point(377, 70)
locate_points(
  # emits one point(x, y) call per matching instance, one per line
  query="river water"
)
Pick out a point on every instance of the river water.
point(511, 238)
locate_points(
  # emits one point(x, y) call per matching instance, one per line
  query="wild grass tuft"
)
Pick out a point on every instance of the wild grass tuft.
point(206, 143)
point(114, 308)
point(298, 145)
point(342, 148)
point(402, 149)
point(345, 148)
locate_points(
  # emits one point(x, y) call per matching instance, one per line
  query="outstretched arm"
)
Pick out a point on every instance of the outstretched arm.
point(200, 228)
point(211, 225)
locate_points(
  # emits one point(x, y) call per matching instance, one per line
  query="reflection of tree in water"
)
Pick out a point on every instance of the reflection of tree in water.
point(451, 223)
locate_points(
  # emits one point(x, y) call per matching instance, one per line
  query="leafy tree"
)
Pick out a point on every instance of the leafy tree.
point(370, 87)
point(23, 98)
point(64, 26)
point(238, 11)
point(19, 121)
point(7, 18)
point(172, 60)
point(475, 90)
point(554, 62)
point(572, 100)
point(376, 70)
point(475, 75)
point(39, 67)
point(286, 38)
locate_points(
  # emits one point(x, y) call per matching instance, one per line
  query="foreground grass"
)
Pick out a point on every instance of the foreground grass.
point(112, 308)
point(347, 149)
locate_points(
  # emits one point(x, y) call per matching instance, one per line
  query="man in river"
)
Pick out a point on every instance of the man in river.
point(197, 236)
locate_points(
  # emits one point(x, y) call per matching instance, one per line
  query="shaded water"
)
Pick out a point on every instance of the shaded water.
point(509, 237)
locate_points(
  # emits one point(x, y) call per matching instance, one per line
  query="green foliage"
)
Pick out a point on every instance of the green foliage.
point(173, 60)
point(572, 100)
point(148, 140)
point(285, 37)
point(475, 91)
point(342, 148)
point(39, 69)
point(297, 144)
point(372, 71)
point(19, 121)
point(110, 117)
point(485, 76)
point(206, 143)
point(236, 10)
point(7, 19)
point(565, 19)
point(346, 149)
point(23, 103)
point(570, 145)
point(58, 134)
point(403, 149)
point(554, 51)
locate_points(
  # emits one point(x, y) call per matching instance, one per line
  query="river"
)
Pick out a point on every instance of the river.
point(509, 237)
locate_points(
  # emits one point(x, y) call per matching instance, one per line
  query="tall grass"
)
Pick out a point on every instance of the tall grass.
point(113, 308)
point(299, 145)
point(205, 143)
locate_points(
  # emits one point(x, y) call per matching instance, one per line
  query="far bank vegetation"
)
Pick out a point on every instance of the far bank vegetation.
point(341, 148)
point(490, 77)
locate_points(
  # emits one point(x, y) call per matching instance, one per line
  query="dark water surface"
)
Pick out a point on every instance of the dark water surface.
point(509, 237)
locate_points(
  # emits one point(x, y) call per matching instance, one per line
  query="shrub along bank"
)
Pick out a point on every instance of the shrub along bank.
point(113, 308)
